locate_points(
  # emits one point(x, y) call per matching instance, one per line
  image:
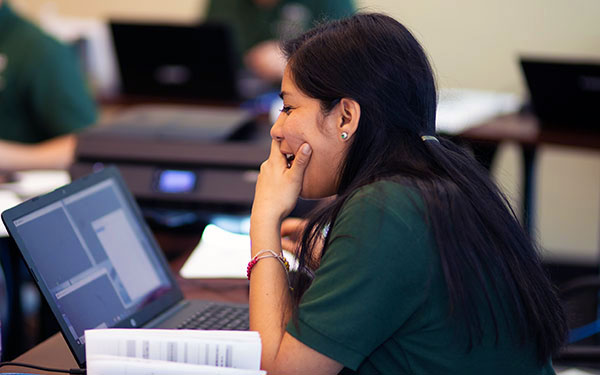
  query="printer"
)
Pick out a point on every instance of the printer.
point(180, 157)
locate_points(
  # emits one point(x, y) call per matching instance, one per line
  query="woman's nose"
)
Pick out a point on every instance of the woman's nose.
point(276, 132)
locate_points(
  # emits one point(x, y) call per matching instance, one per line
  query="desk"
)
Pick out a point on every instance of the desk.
point(525, 130)
point(54, 352)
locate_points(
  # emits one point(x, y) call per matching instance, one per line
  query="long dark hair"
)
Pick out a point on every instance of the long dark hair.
point(484, 252)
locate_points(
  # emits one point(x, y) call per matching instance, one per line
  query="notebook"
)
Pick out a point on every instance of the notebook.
point(97, 264)
point(176, 61)
point(564, 93)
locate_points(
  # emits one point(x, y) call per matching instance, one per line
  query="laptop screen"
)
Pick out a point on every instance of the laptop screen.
point(93, 256)
point(564, 93)
point(176, 61)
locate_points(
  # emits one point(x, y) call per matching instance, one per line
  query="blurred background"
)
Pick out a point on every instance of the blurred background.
point(473, 44)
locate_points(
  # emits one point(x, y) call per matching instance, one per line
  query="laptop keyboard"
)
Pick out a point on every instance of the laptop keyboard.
point(217, 316)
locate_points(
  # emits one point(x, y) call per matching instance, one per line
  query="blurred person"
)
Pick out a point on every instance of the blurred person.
point(259, 26)
point(43, 97)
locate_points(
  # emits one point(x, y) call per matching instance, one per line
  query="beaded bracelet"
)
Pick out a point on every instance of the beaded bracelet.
point(268, 254)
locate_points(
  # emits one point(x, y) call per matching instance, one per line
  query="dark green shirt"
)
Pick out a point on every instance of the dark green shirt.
point(42, 90)
point(253, 24)
point(379, 305)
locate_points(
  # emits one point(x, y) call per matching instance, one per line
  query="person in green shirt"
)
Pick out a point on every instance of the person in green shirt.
point(259, 25)
point(415, 264)
point(43, 97)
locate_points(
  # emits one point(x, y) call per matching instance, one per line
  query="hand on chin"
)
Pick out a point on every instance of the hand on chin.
point(279, 186)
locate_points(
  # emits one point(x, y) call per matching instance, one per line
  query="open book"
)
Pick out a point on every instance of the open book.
point(172, 352)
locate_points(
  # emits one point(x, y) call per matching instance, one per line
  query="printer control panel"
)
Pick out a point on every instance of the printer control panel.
point(175, 181)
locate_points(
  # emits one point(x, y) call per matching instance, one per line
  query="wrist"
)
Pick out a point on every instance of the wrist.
point(264, 219)
point(265, 234)
point(260, 229)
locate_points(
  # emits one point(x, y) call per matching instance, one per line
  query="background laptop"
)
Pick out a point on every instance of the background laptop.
point(97, 264)
point(564, 94)
point(176, 61)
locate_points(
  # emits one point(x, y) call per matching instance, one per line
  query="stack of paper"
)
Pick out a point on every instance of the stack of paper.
point(158, 351)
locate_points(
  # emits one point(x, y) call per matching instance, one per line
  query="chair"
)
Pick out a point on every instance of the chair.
point(10, 301)
point(581, 297)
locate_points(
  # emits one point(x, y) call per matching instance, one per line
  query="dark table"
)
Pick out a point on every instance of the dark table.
point(528, 132)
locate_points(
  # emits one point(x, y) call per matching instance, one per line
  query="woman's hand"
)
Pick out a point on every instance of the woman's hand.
point(278, 187)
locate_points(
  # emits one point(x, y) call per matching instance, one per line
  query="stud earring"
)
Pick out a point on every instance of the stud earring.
point(344, 136)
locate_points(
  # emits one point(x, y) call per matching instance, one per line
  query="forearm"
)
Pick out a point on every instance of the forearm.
point(277, 190)
point(56, 153)
point(269, 291)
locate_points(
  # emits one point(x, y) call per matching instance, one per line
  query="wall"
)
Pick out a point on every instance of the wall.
point(473, 43)
point(177, 10)
point(476, 43)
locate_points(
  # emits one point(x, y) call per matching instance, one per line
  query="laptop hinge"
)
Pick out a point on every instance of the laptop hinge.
point(167, 314)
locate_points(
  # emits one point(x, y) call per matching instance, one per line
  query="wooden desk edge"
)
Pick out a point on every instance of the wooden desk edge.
point(53, 352)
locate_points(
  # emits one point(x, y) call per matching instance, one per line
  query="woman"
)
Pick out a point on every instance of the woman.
point(417, 265)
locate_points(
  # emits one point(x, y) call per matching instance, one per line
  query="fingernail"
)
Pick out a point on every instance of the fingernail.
point(306, 149)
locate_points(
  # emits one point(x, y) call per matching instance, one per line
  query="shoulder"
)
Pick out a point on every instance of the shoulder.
point(41, 47)
point(33, 55)
point(384, 216)
point(46, 60)
point(384, 190)
point(50, 49)
point(389, 198)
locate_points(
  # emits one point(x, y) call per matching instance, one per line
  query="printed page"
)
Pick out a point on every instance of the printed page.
point(233, 349)
point(111, 365)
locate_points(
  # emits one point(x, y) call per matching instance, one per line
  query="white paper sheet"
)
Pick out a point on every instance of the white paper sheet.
point(108, 365)
point(8, 199)
point(574, 371)
point(221, 254)
point(461, 109)
point(157, 351)
point(36, 182)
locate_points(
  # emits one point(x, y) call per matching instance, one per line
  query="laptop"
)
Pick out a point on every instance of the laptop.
point(162, 122)
point(97, 264)
point(564, 93)
point(176, 61)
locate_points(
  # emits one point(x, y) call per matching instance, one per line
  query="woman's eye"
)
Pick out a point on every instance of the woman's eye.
point(286, 110)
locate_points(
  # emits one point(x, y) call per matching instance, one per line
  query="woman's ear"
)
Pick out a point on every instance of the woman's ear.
point(349, 117)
